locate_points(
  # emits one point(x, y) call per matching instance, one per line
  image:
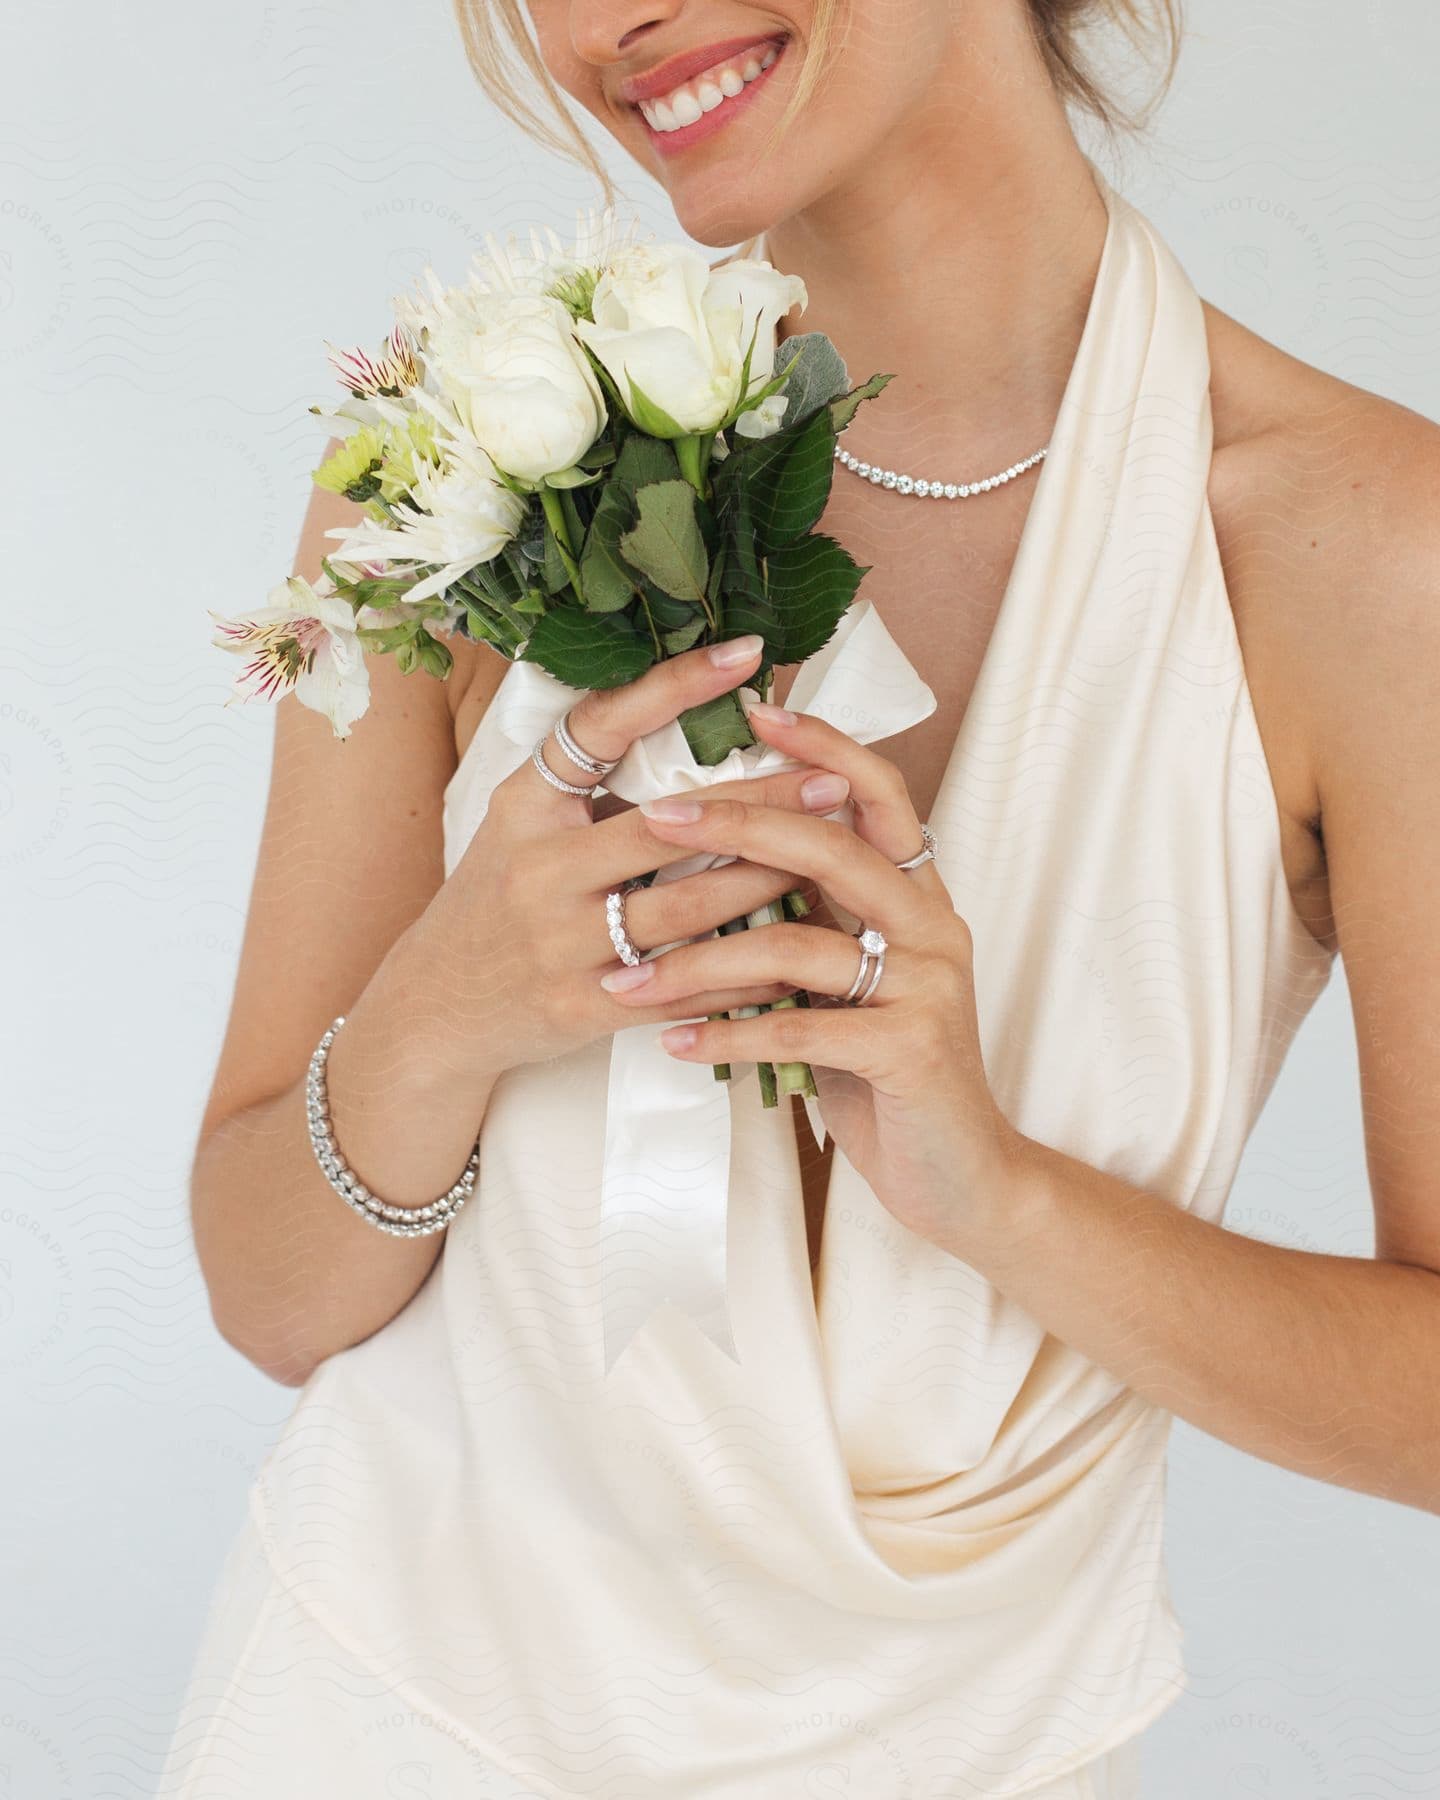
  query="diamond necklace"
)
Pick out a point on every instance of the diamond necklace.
point(936, 490)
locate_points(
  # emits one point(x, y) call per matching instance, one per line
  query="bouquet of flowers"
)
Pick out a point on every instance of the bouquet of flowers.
point(590, 460)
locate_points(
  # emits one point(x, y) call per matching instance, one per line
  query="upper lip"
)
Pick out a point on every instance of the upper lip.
point(680, 67)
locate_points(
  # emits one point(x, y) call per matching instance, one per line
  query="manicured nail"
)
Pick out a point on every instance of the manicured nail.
point(821, 792)
point(773, 715)
point(671, 811)
point(628, 975)
point(735, 651)
point(679, 1037)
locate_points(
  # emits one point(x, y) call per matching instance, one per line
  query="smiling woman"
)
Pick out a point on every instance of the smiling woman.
point(506, 59)
point(1082, 796)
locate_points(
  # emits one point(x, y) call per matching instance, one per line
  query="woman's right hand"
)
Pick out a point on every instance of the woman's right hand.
point(515, 942)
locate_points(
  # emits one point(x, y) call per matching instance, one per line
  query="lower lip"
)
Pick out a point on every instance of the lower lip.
point(669, 143)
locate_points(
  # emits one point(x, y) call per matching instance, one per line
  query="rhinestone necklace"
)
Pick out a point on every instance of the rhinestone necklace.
point(936, 490)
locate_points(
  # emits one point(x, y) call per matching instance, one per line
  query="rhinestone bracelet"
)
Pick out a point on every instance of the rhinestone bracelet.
point(398, 1221)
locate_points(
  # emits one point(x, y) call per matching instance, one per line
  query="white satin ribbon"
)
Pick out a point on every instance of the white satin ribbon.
point(663, 1212)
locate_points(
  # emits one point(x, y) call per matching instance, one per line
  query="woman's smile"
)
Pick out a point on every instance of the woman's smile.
point(703, 105)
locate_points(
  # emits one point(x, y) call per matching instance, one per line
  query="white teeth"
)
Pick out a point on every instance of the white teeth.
point(684, 106)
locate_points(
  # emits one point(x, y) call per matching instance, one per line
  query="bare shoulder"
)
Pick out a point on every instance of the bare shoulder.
point(1325, 499)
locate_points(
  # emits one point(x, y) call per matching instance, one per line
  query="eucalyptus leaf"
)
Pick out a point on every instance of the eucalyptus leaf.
point(817, 374)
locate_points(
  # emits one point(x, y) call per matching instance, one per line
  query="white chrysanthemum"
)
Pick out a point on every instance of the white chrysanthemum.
point(462, 516)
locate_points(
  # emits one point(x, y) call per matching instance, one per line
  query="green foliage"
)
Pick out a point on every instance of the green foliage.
point(588, 650)
point(665, 550)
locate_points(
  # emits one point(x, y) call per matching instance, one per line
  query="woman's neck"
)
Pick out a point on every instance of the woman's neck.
point(970, 287)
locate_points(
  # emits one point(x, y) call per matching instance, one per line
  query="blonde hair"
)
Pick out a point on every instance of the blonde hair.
point(502, 55)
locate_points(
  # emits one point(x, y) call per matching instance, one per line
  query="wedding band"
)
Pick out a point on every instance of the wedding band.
point(582, 759)
point(615, 922)
point(872, 943)
point(926, 854)
point(537, 756)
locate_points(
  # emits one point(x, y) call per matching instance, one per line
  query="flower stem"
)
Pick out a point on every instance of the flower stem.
point(555, 518)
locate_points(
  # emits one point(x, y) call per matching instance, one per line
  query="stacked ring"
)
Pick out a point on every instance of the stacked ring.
point(872, 944)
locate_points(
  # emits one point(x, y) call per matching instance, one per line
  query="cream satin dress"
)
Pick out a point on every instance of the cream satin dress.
point(908, 1545)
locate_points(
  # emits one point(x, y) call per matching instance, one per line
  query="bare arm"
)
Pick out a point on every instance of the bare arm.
point(350, 856)
point(351, 913)
point(1322, 1364)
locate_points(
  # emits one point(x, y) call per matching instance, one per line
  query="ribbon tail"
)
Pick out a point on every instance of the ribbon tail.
point(664, 1192)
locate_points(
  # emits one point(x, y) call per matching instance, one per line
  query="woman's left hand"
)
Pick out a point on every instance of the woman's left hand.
point(901, 1079)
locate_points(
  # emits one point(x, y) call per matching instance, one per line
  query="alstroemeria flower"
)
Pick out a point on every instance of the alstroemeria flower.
point(304, 642)
point(392, 372)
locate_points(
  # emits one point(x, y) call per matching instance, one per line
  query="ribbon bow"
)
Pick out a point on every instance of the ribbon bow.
point(663, 1211)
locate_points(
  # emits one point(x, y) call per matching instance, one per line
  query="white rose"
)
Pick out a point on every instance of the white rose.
point(522, 386)
point(679, 329)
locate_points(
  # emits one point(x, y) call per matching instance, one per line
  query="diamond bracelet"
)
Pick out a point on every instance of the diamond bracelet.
point(398, 1221)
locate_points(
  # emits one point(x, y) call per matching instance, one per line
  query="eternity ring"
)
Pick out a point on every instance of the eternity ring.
point(615, 922)
point(872, 943)
point(537, 756)
point(927, 854)
point(582, 759)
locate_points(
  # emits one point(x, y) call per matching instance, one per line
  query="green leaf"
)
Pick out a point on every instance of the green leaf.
point(817, 374)
point(665, 609)
point(715, 728)
point(588, 650)
point(666, 543)
point(843, 409)
point(809, 584)
point(782, 482)
point(609, 582)
point(792, 485)
point(684, 637)
point(645, 459)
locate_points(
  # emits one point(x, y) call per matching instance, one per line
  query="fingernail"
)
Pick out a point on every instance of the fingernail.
point(629, 975)
point(679, 1037)
point(735, 651)
point(821, 792)
point(775, 715)
point(672, 811)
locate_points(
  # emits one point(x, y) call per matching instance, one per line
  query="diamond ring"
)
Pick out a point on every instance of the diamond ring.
point(872, 943)
point(615, 922)
point(926, 852)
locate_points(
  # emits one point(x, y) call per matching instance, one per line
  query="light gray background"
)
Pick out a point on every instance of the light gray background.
point(192, 198)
